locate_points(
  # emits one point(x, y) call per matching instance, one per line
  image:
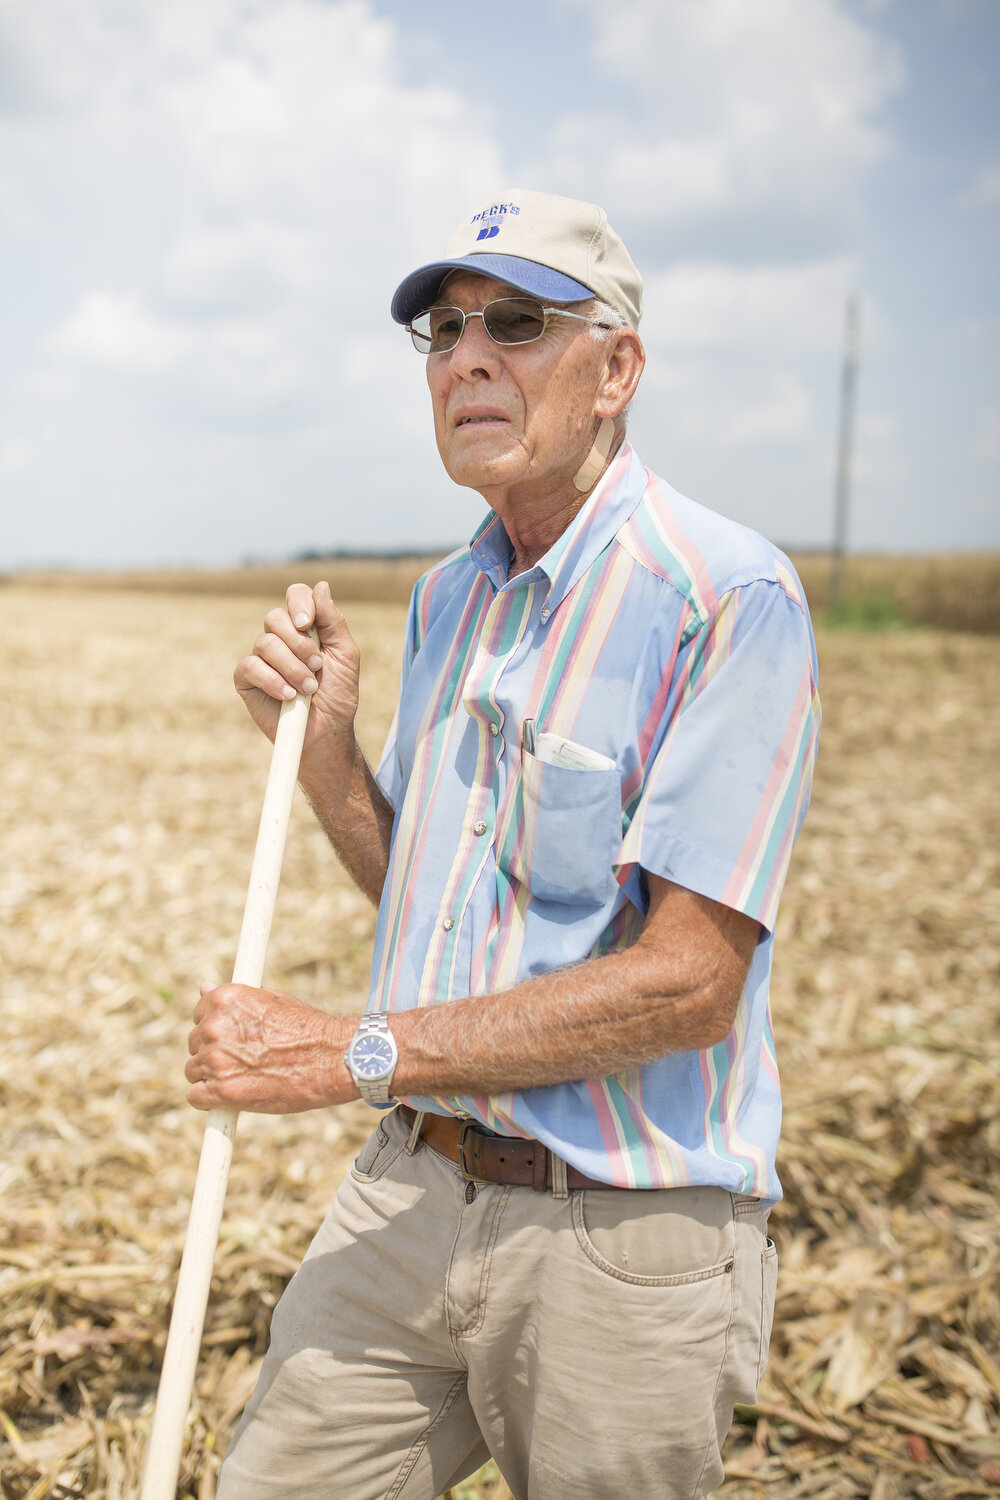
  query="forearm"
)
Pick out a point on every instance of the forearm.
point(596, 1019)
point(264, 1050)
point(676, 989)
point(352, 812)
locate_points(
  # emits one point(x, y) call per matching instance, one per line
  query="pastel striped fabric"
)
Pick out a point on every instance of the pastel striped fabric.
point(676, 644)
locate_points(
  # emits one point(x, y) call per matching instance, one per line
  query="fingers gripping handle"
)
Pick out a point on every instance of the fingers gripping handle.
point(166, 1438)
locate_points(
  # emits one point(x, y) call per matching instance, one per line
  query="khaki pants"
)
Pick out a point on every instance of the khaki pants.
point(594, 1344)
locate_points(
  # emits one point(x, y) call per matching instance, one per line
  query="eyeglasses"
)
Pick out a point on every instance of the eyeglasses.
point(509, 320)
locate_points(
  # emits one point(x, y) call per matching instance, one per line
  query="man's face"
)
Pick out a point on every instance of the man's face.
point(517, 415)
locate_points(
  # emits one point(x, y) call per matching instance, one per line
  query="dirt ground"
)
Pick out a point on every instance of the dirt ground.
point(132, 782)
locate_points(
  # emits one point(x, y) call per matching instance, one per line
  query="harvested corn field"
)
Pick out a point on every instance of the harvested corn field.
point(954, 592)
point(132, 782)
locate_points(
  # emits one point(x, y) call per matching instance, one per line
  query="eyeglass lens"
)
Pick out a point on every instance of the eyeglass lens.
point(509, 320)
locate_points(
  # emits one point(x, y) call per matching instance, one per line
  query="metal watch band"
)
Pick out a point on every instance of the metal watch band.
point(374, 1091)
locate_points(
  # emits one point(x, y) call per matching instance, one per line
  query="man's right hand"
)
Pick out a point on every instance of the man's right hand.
point(333, 773)
point(285, 660)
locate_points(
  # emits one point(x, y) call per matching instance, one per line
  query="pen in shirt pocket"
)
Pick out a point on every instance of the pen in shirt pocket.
point(528, 736)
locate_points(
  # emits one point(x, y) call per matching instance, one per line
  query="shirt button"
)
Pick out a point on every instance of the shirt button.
point(479, 829)
point(448, 923)
point(546, 611)
point(494, 729)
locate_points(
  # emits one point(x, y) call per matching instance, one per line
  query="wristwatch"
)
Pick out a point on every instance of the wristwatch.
point(371, 1060)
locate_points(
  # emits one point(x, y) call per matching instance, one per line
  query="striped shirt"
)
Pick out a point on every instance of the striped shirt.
point(643, 700)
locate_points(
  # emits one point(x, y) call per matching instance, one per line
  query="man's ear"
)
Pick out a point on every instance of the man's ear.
point(625, 362)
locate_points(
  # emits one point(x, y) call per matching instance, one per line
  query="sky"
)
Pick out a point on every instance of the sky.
point(206, 205)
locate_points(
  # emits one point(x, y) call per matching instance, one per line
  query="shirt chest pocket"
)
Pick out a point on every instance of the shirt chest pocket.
point(562, 831)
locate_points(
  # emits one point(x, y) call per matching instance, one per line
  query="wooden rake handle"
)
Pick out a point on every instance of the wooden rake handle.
point(180, 1359)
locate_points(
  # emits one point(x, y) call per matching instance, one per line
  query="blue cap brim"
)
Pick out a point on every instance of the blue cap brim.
point(417, 292)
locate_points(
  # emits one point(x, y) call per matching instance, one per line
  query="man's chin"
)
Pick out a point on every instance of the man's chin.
point(478, 471)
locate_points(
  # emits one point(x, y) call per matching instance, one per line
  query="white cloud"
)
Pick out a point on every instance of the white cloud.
point(205, 206)
point(254, 264)
point(782, 411)
point(226, 194)
point(984, 191)
point(119, 333)
point(987, 445)
point(739, 403)
point(878, 459)
point(743, 105)
point(17, 456)
point(771, 308)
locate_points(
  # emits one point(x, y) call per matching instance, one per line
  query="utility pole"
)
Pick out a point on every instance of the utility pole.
point(842, 492)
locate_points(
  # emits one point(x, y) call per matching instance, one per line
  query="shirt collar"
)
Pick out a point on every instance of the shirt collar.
point(605, 511)
point(491, 549)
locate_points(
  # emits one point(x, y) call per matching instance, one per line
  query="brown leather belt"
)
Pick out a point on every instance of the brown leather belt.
point(482, 1157)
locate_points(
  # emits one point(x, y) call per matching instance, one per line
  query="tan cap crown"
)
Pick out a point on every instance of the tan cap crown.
point(559, 249)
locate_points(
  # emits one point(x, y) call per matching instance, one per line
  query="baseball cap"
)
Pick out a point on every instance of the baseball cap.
point(558, 249)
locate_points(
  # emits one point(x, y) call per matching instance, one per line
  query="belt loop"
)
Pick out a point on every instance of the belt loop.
point(560, 1187)
point(539, 1167)
point(419, 1116)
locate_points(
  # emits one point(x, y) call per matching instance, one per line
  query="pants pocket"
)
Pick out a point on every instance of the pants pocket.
point(754, 1288)
point(664, 1237)
point(768, 1287)
point(379, 1152)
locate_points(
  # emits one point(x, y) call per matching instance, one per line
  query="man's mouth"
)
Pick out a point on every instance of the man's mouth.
point(468, 421)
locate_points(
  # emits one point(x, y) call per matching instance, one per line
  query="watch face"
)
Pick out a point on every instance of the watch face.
point(372, 1056)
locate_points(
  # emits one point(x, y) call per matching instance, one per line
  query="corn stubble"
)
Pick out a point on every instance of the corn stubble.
point(133, 783)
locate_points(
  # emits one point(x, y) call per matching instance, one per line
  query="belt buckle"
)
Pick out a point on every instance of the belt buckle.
point(464, 1127)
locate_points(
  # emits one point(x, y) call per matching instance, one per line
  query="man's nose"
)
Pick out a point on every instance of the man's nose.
point(475, 349)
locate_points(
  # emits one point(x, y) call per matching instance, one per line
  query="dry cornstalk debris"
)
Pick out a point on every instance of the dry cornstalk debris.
point(132, 784)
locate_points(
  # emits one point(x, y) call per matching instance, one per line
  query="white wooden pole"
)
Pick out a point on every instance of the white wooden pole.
point(180, 1359)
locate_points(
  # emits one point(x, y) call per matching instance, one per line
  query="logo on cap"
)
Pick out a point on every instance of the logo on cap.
point(491, 219)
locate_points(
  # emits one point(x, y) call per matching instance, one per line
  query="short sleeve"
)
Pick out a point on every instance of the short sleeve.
point(388, 773)
point(729, 781)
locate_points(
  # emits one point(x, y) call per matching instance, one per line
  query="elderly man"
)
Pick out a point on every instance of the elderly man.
point(553, 1249)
